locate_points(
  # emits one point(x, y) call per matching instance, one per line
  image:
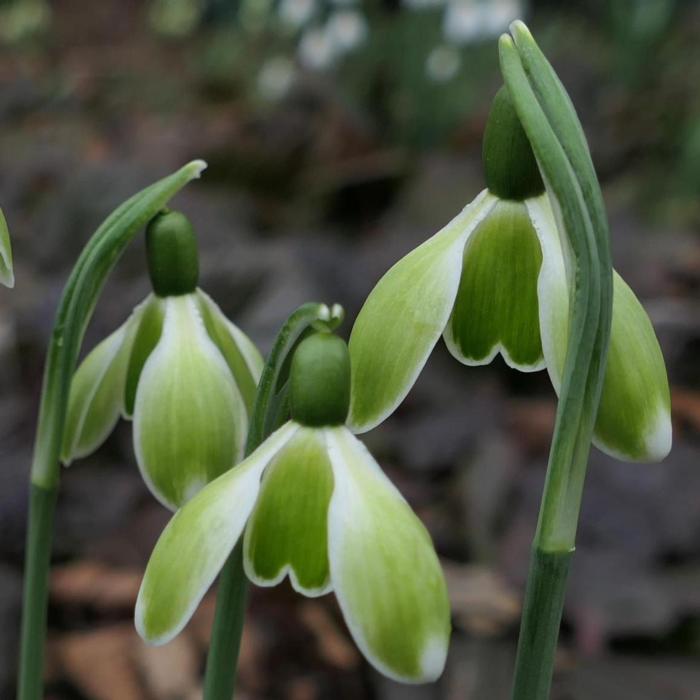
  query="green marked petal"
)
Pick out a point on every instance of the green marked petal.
point(7, 275)
point(496, 307)
point(189, 417)
point(242, 357)
point(97, 393)
point(196, 543)
point(145, 340)
point(287, 533)
point(403, 318)
point(634, 416)
point(384, 569)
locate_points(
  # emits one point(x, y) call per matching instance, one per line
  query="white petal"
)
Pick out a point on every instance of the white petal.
point(404, 316)
point(196, 543)
point(189, 417)
point(553, 287)
point(384, 569)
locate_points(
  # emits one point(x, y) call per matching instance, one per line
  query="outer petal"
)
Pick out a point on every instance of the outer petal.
point(496, 306)
point(552, 287)
point(404, 316)
point(189, 417)
point(7, 275)
point(197, 542)
point(384, 569)
point(243, 358)
point(287, 533)
point(634, 420)
point(97, 392)
point(634, 417)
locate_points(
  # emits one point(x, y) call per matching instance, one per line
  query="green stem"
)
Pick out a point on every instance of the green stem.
point(42, 503)
point(231, 601)
point(75, 309)
point(544, 602)
point(269, 412)
point(549, 120)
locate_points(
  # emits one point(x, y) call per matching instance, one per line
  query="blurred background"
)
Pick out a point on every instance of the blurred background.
point(339, 135)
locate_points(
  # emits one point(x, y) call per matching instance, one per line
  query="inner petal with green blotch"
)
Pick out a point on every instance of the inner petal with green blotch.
point(496, 309)
point(287, 533)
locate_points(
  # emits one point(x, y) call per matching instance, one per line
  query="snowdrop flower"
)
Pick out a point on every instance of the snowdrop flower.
point(497, 280)
point(312, 504)
point(184, 373)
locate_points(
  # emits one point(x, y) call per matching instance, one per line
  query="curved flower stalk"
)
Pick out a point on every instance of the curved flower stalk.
point(184, 373)
point(7, 274)
point(499, 279)
point(311, 504)
point(79, 297)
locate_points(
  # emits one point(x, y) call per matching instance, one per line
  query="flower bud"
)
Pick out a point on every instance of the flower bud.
point(173, 261)
point(320, 381)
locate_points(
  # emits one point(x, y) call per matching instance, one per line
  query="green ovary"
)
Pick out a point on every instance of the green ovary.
point(496, 306)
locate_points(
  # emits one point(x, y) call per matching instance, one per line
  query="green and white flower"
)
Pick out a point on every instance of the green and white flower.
point(312, 504)
point(184, 373)
point(497, 280)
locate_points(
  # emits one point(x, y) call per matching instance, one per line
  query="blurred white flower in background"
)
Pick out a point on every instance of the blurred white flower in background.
point(296, 13)
point(469, 20)
point(347, 29)
point(322, 45)
point(316, 50)
point(276, 78)
point(442, 64)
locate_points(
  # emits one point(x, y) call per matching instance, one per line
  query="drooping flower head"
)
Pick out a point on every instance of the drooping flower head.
point(498, 280)
point(178, 367)
point(313, 505)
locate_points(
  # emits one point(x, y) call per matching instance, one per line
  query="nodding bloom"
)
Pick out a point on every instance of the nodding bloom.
point(7, 275)
point(178, 367)
point(498, 279)
point(312, 504)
